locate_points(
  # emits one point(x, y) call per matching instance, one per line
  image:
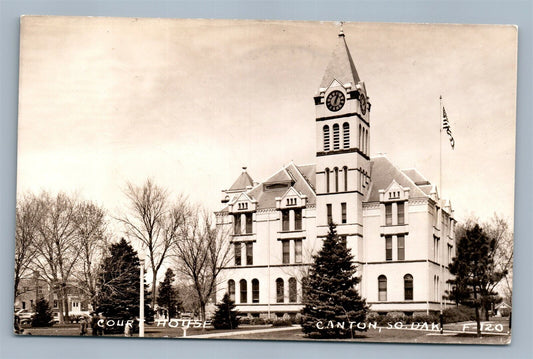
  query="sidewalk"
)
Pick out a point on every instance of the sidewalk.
point(244, 332)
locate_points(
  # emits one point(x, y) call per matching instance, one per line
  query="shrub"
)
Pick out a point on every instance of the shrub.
point(459, 314)
point(43, 315)
point(245, 320)
point(226, 315)
point(425, 318)
point(282, 323)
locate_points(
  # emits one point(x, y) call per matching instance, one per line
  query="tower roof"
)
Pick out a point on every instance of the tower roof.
point(341, 66)
point(243, 181)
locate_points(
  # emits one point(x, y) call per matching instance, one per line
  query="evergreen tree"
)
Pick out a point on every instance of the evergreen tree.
point(119, 283)
point(226, 315)
point(330, 295)
point(168, 295)
point(473, 268)
point(43, 315)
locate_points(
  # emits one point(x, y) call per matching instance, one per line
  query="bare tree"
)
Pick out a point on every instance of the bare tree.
point(154, 220)
point(56, 246)
point(498, 230)
point(499, 275)
point(91, 227)
point(202, 251)
point(28, 213)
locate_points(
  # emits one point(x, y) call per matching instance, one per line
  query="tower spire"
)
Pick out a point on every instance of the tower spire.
point(341, 66)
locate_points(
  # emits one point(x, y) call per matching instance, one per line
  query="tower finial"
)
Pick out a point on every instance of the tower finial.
point(341, 32)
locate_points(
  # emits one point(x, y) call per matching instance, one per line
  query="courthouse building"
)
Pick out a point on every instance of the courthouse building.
point(400, 232)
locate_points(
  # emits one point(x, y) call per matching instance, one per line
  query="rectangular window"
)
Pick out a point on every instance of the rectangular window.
point(249, 253)
point(237, 248)
point(55, 303)
point(401, 213)
point(298, 251)
point(450, 248)
point(249, 223)
point(298, 219)
point(401, 247)
point(388, 248)
point(237, 223)
point(343, 212)
point(286, 252)
point(285, 220)
point(23, 305)
point(329, 211)
point(388, 214)
point(436, 244)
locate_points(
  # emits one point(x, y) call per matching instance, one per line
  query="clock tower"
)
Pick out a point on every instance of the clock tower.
point(343, 148)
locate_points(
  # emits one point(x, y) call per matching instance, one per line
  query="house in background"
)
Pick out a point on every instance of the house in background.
point(398, 229)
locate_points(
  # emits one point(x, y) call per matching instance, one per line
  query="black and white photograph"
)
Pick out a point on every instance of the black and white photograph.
point(265, 180)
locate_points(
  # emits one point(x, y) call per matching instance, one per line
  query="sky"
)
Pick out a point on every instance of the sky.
point(107, 101)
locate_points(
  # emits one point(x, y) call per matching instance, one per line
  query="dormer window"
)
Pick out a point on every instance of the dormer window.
point(242, 206)
point(291, 201)
point(394, 195)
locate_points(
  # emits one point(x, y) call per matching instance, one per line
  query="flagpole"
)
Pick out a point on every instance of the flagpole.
point(440, 184)
point(440, 144)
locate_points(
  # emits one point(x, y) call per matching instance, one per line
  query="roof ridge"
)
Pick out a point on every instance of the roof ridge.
point(305, 178)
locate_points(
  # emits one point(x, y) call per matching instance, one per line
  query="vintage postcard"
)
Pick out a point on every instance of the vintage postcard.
point(275, 180)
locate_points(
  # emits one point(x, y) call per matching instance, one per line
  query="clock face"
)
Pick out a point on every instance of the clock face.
point(362, 101)
point(335, 101)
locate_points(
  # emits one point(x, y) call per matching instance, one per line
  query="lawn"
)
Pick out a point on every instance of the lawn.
point(460, 333)
point(386, 336)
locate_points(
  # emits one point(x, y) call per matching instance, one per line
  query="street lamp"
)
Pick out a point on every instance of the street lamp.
point(141, 305)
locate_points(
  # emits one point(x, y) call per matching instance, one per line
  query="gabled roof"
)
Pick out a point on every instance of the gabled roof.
point(290, 176)
point(383, 172)
point(281, 176)
point(309, 173)
point(243, 181)
point(416, 177)
point(341, 66)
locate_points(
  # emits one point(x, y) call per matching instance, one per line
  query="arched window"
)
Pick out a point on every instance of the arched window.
point(327, 180)
point(336, 139)
point(231, 289)
point(346, 134)
point(366, 142)
point(336, 170)
point(325, 130)
point(345, 171)
point(255, 291)
point(382, 288)
point(359, 144)
point(293, 294)
point(244, 290)
point(365, 138)
point(408, 287)
point(280, 291)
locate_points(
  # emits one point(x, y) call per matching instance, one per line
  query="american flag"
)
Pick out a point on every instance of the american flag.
point(446, 126)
